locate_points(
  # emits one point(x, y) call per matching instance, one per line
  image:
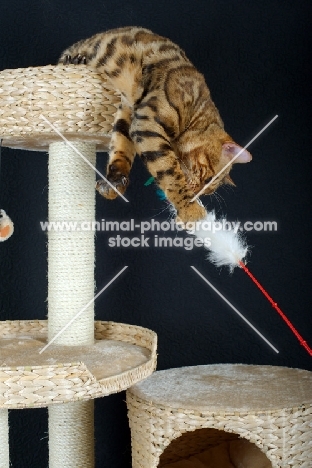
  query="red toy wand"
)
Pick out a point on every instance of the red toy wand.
point(274, 304)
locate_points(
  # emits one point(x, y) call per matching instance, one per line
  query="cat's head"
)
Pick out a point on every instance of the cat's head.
point(207, 159)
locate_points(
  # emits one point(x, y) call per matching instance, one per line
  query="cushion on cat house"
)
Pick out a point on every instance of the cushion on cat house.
point(224, 415)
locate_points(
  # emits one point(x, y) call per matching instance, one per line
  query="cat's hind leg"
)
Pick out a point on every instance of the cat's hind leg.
point(121, 156)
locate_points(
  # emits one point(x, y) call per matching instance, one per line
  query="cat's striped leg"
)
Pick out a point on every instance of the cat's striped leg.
point(121, 156)
point(157, 153)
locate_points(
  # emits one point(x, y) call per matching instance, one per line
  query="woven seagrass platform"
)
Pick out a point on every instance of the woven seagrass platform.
point(177, 413)
point(121, 356)
point(75, 99)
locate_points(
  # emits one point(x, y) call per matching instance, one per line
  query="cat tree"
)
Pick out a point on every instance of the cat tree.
point(89, 359)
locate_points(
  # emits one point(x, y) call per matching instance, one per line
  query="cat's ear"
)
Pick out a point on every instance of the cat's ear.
point(231, 149)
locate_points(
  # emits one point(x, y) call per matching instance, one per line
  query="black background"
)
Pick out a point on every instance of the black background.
point(255, 59)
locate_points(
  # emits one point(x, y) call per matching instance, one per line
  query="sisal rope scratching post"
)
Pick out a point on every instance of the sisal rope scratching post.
point(71, 252)
point(4, 439)
point(71, 435)
point(70, 288)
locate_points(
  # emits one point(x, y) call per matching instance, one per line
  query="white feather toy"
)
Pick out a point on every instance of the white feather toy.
point(226, 245)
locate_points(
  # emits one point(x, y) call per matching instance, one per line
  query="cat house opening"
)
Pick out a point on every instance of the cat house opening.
point(211, 448)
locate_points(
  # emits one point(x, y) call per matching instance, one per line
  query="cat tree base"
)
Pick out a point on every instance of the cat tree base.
point(121, 356)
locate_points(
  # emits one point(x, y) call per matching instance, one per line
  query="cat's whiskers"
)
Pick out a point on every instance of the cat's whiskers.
point(159, 212)
point(228, 188)
point(167, 207)
point(219, 199)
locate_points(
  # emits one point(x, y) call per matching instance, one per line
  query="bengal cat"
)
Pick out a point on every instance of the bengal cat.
point(166, 116)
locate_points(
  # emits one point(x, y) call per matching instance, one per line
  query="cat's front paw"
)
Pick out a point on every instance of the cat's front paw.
point(75, 60)
point(191, 212)
point(110, 189)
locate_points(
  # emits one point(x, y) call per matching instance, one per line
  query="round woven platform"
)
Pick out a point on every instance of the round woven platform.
point(76, 99)
point(269, 406)
point(121, 356)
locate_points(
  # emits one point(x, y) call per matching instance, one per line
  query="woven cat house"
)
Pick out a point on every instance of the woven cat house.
point(222, 416)
point(68, 360)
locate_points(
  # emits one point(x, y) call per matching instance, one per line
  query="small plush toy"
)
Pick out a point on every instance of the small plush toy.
point(6, 226)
